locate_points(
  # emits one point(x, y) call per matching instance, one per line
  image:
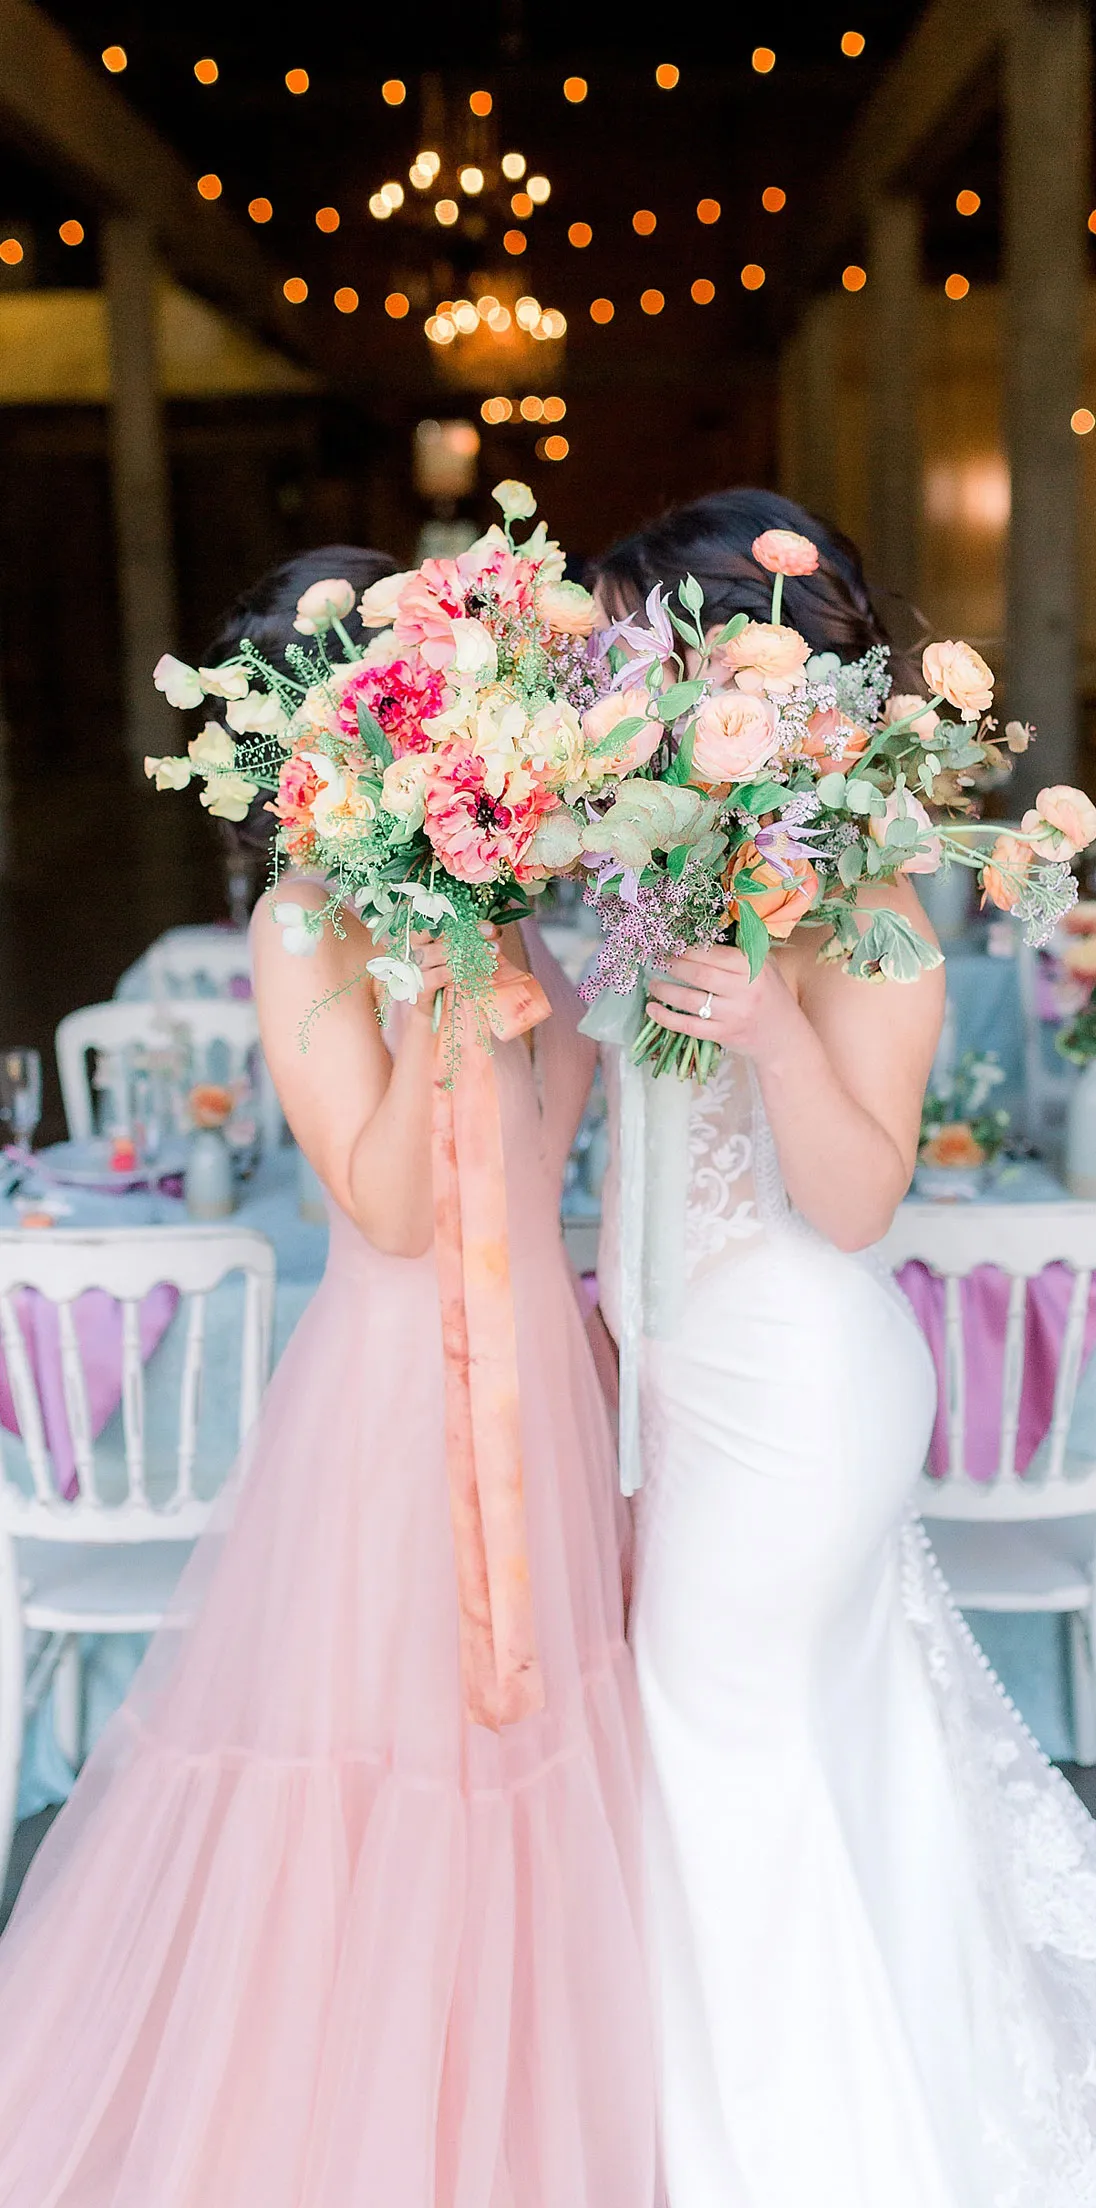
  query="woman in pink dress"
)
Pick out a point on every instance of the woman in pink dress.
point(305, 1937)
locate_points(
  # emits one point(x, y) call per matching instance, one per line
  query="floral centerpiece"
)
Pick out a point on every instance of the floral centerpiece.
point(961, 1131)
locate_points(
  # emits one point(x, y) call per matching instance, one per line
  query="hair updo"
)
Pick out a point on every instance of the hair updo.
point(711, 539)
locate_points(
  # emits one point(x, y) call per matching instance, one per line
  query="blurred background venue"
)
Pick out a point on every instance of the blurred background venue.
point(268, 282)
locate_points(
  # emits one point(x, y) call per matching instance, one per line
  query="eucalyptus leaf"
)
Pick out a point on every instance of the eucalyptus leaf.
point(850, 865)
point(677, 860)
point(890, 949)
point(753, 938)
point(831, 791)
point(860, 796)
point(760, 797)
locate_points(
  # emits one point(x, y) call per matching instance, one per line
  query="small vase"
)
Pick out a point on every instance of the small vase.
point(210, 1181)
point(1081, 1137)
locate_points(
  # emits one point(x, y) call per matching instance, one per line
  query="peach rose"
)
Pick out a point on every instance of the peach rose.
point(765, 656)
point(927, 723)
point(778, 901)
point(785, 552)
point(1004, 872)
point(953, 1145)
point(568, 609)
point(959, 674)
point(623, 705)
point(1061, 822)
point(736, 734)
point(905, 807)
point(833, 740)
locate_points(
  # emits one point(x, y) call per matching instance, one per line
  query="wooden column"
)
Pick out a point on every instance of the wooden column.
point(1046, 178)
point(894, 451)
point(139, 469)
point(808, 411)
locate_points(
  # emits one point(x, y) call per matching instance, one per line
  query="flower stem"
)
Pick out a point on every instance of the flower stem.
point(778, 596)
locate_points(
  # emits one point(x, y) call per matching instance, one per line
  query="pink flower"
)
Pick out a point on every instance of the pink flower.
point(736, 735)
point(765, 656)
point(298, 788)
point(1061, 822)
point(1005, 872)
point(428, 606)
point(477, 835)
point(833, 741)
point(900, 706)
point(599, 721)
point(785, 552)
point(901, 806)
point(400, 697)
point(959, 674)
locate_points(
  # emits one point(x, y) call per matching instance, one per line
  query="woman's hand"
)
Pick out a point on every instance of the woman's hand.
point(430, 954)
point(710, 995)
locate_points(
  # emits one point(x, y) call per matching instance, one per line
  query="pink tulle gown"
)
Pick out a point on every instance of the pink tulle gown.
point(304, 1938)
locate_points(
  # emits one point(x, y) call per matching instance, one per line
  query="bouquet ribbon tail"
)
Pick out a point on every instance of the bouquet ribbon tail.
point(500, 1667)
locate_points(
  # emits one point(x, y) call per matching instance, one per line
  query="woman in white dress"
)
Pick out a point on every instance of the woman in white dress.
point(873, 1905)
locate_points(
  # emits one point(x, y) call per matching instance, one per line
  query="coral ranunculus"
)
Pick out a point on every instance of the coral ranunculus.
point(1061, 822)
point(959, 674)
point(780, 900)
point(736, 735)
point(400, 697)
point(1005, 872)
point(475, 834)
point(785, 552)
point(765, 656)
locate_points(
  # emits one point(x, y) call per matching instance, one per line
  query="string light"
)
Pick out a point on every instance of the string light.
point(392, 194)
point(471, 181)
point(708, 210)
point(11, 252)
point(206, 71)
point(538, 189)
point(465, 317)
point(514, 241)
point(521, 205)
point(115, 58)
point(957, 287)
point(513, 166)
point(652, 301)
point(643, 222)
point(297, 80)
point(499, 320)
point(295, 290)
point(393, 92)
point(379, 207)
point(601, 310)
point(552, 448)
point(554, 410)
point(480, 103)
point(1092, 220)
point(446, 211)
point(967, 203)
point(753, 276)
point(763, 60)
point(527, 312)
point(71, 233)
point(553, 323)
point(440, 329)
point(210, 186)
point(853, 44)
point(346, 299)
point(1082, 421)
point(496, 410)
point(854, 277)
point(666, 76)
point(487, 306)
point(260, 210)
point(531, 409)
point(703, 291)
point(773, 199)
point(575, 90)
point(397, 305)
point(579, 234)
point(327, 219)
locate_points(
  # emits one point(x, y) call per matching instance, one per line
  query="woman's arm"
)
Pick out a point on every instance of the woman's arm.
point(842, 1065)
point(361, 1116)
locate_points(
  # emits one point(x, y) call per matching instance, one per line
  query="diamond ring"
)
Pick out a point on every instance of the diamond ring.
point(704, 1011)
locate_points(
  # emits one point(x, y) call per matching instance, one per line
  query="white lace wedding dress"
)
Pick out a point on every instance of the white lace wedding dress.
point(873, 1903)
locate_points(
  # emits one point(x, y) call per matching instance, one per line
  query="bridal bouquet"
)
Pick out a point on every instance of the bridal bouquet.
point(420, 774)
point(773, 783)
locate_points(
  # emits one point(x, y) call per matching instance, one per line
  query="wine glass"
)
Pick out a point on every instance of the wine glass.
point(20, 1096)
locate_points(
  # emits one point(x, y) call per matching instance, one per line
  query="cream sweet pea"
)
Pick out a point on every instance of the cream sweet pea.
point(322, 604)
point(181, 685)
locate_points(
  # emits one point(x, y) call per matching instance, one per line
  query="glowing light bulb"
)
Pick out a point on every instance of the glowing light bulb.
point(393, 92)
point(397, 305)
point(327, 219)
point(379, 207)
point(295, 290)
point(297, 80)
point(643, 222)
point(115, 58)
point(601, 310)
point(446, 211)
point(471, 181)
point(480, 103)
point(71, 233)
point(753, 276)
point(853, 44)
point(666, 76)
point(708, 210)
point(703, 291)
point(538, 189)
point(774, 199)
point(514, 241)
point(967, 203)
point(956, 286)
point(579, 234)
point(854, 277)
point(513, 166)
point(206, 71)
point(210, 186)
point(575, 90)
point(346, 299)
point(763, 60)
point(392, 194)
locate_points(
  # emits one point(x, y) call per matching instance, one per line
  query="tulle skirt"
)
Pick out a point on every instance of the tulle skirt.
point(303, 1938)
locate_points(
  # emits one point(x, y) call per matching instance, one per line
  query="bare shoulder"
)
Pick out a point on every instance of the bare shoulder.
point(289, 984)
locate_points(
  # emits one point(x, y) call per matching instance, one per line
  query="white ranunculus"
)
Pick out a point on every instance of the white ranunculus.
point(170, 773)
point(322, 604)
point(181, 685)
point(223, 682)
point(229, 796)
point(213, 748)
point(403, 783)
point(298, 938)
point(379, 603)
point(516, 499)
point(401, 977)
point(260, 713)
point(476, 653)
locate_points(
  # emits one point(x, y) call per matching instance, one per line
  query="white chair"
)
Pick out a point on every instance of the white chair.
point(190, 962)
point(108, 1560)
point(1017, 1541)
point(207, 1024)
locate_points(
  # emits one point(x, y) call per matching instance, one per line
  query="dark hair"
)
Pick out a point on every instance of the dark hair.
point(265, 614)
point(711, 539)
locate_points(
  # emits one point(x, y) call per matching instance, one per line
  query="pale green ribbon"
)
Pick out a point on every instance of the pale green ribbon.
point(654, 1179)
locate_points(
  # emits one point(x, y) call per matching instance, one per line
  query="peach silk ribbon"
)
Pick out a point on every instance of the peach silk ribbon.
point(500, 1669)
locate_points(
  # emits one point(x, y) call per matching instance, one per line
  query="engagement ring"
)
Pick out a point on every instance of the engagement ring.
point(704, 1011)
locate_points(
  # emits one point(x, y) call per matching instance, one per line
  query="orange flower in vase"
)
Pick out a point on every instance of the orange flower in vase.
point(210, 1104)
point(954, 1145)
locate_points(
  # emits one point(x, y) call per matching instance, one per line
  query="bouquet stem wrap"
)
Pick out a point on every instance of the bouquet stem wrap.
point(500, 1667)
